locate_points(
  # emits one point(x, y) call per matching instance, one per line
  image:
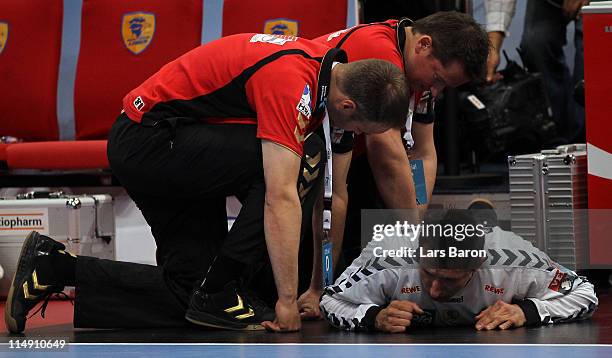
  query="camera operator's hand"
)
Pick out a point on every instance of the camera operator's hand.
point(496, 38)
point(397, 316)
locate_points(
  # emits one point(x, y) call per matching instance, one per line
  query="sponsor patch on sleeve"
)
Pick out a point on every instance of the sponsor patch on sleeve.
point(555, 284)
point(139, 103)
point(304, 105)
point(567, 284)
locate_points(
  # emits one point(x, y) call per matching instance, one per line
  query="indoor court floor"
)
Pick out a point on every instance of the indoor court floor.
point(591, 338)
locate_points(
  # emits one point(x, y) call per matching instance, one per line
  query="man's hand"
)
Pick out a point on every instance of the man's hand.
point(496, 38)
point(572, 7)
point(501, 314)
point(397, 316)
point(287, 317)
point(308, 304)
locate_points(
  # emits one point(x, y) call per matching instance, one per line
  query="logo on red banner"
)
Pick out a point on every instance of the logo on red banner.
point(3, 35)
point(137, 30)
point(281, 27)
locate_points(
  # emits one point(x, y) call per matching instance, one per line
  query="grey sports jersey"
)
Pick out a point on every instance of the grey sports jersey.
point(514, 271)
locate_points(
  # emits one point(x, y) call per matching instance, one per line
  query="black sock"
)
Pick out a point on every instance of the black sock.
point(58, 269)
point(222, 271)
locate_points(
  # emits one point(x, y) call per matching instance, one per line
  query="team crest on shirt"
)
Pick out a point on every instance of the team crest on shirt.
point(138, 30)
point(3, 35)
point(285, 27)
point(304, 105)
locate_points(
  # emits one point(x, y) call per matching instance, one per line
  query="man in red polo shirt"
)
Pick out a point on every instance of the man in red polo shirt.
point(233, 117)
point(440, 50)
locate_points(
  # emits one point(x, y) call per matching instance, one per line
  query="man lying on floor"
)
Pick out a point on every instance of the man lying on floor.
point(490, 279)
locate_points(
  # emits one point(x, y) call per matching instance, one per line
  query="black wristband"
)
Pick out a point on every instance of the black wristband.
point(369, 320)
point(530, 311)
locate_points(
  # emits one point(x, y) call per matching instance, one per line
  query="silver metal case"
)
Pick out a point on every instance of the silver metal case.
point(548, 201)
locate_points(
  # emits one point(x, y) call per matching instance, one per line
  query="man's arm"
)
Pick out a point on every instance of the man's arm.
point(543, 297)
point(309, 301)
point(499, 14)
point(424, 149)
point(282, 222)
point(356, 307)
point(341, 165)
point(557, 296)
point(391, 169)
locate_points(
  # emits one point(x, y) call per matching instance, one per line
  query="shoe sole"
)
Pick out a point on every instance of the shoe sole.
point(28, 247)
point(214, 322)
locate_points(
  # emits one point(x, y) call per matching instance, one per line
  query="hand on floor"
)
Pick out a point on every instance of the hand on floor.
point(500, 315)
point(287, 317)
point(308, 304)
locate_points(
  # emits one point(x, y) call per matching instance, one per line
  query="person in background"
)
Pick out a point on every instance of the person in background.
point(542, 42)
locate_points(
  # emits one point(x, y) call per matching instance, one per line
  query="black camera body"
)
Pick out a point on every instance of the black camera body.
point(512, 116)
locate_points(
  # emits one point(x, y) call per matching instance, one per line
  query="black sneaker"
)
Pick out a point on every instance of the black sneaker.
point(26, 291)
point(232, 308)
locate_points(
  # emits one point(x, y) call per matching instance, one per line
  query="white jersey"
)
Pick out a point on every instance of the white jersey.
point(514, 271)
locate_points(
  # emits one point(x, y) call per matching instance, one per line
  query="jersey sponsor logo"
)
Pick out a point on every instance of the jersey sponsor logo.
point(411, 290)
point(273, 39)
point(285, 27)
point(562, 282)
point(337, 33)
point(138, 103)
point(4, 31)
point(304, 104)
point(493, 289)
point(137, 30)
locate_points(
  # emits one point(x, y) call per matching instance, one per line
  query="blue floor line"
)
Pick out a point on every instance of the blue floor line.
point(319, 351)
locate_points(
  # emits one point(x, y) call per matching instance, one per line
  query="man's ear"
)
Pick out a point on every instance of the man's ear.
point(423, 44)
point(349, 106)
